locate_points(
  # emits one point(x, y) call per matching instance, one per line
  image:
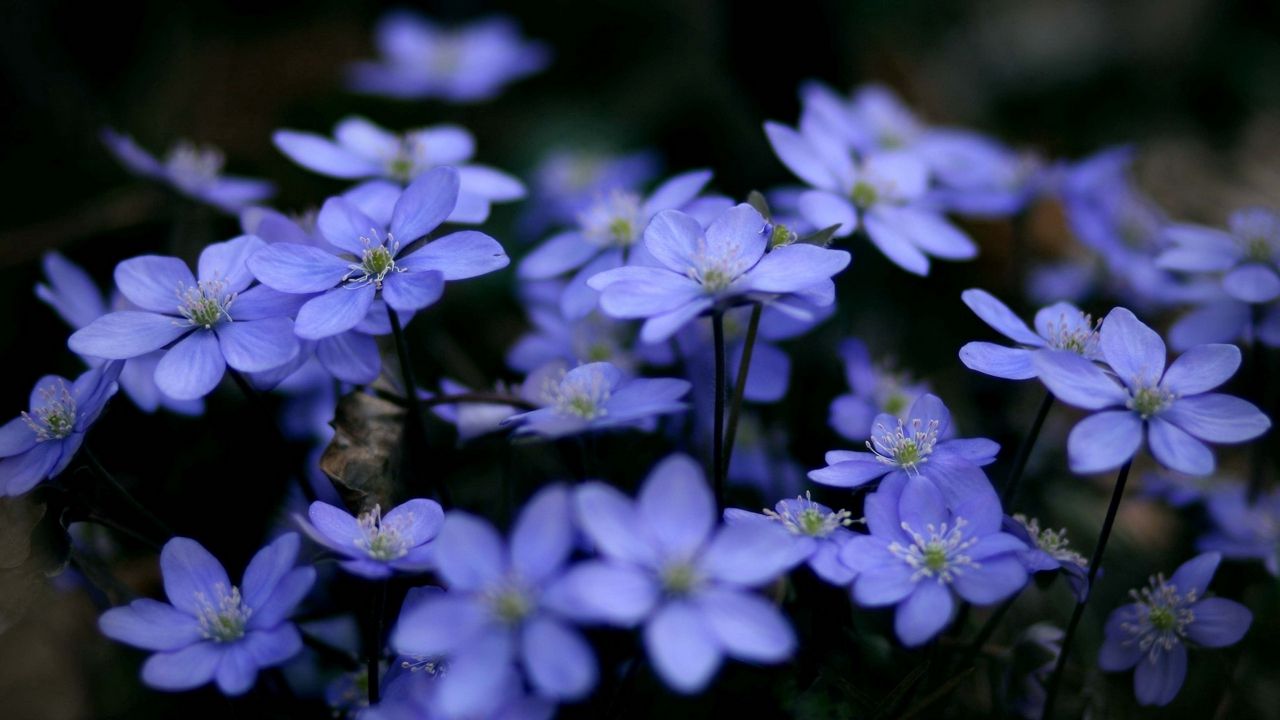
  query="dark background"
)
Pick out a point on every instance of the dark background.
point(1193, 82)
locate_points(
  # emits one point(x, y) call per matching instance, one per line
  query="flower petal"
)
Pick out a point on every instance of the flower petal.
point(1202, 368)
point(682, 648)
point(425, 204)
point(1252, 283)
point(458, 256)
point(1177, 450)
point(1219, 622)
point(675, 505)
point(1157, 681)
point(998, 315)
point(1134, 351)
point(336, 311)
point(150, 625)
point(924, 613)
point(192, 368)
point(126, 334)
point(1104, 441)
point(183, 669)
point(747, 626)
point(557, 660)
point(1218, 418)
point(542, 536)
point(1077, 381)
point(295, 268)
point(192, 577)
point(470, 554)
point(257, 345)
point(153, 282)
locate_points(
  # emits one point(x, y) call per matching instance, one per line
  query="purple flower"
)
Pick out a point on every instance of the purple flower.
point(566, 181)
point(818, 533)
point(1048, 551)
point(204, 325)
point(1248, 254)
point(1171, 408)
point(373, 545)
point(595, 396)
point(41, 442)
point(916, 445)
point(702, 271)
point(371, 260)
point(192, 170)
point(1224, 319)
point(74, 296)
point(876, 390)
point(472, 419)
point(1061, 326)
point(1153, 632)
point(500, 612)
point(470, 63)
point(211, 629)
point(1244, 530)
point(922, 552)
point(666, 565)
point(362, 150)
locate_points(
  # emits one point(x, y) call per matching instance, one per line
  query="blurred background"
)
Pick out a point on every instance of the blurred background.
point(1193, 83)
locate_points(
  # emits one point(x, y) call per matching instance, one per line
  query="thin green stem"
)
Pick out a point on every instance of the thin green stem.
point(373, 648)
point(1024, 453)
point(414, 423)
point(717, 439)
point(1055, 680)
point(740, 385)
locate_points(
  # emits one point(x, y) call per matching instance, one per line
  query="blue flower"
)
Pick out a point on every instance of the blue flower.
point(916, 444)
point(607, 236)
point(1223, 319)
point(1172, 408)
point(501, 611)
point(923, 551)
point(883, 193)
point(473, 419)
point(1248, 255)
point(667, 566)
point(466, 64)
point(595, 396)
point(211, 630)
point(74, 296)
point(192, 170)
point(1048, 551)
point(374, 545)
point(702, 271)
point(1061, 326)
point(1153, 632)
point(370, 259)
point(362, 150)
point(876, 390)
point(568, 180)
point(1244, 530)
point(818, 533)
point(41, 442)
point(204, 324)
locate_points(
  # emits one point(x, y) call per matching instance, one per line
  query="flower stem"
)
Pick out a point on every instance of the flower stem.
point(1095, 563)
point(717, 439)
point(740, 385)
point(139, 508)
point(1024, 452)
point(415, 423)
point(373, 649)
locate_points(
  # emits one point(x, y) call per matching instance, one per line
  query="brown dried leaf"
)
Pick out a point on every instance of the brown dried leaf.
point(363, 457)
point(18, 518)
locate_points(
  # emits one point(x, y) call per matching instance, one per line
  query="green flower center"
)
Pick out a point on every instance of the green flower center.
point(1162, 619)
point(781, 235)
point(205, 305)
point(864, 194)
point(1149, 401)
point(57, 419)
point(935, 557)
point(382, 540)
point(679, 578)
point(510, 605)
point(224, 621)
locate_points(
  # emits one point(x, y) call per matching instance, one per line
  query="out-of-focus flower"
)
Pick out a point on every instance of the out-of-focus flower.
point(1244, 530)
point(420, 59)
point(567, 180)
point(596, 396)
point(876, 389)
point(1153, 632)
point(374, 545)
point(1172, 408)
point(211, 630)
point(1248, 254)
point(192, 170)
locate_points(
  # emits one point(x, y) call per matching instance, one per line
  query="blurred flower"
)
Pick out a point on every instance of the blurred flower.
point(595, 396)
point(665, 564)
point(818, 533)
point(1152, 633)
point(362, 150)
point(1173, 409)
point(1224, 319)
point(499, 612)
point(374, 545)
point(366, 261)
point(876, 390)
point(470, 63)
point(211, 630)
point(1061, 326)
point(192, 170)
point(205, 324)
point(922, 551)
point(1244, 529)
point(1248, 255)
point(704, 271)
point(567, 180)
point(40, 443)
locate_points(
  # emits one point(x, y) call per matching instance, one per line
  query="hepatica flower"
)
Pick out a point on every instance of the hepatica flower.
point(596, 396)
point(921, 554)
point(882, 193)
point(1172, 408)
point(192, 170)
point(667, 566)
point(361, 150)
point(701, 271)
point(1244, 529)
point(567, 180)
point(211, 630)
point(40, 443)
point(1153, 632)
point(1060, 326)
point(876, 389)
point(499, 616)
point(205, 321)
point(818, 533)
point(911, 446)
point(374, 545)
point(1248, 254)
point(420, 59)
point(373, 260)
point(1047, 551)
